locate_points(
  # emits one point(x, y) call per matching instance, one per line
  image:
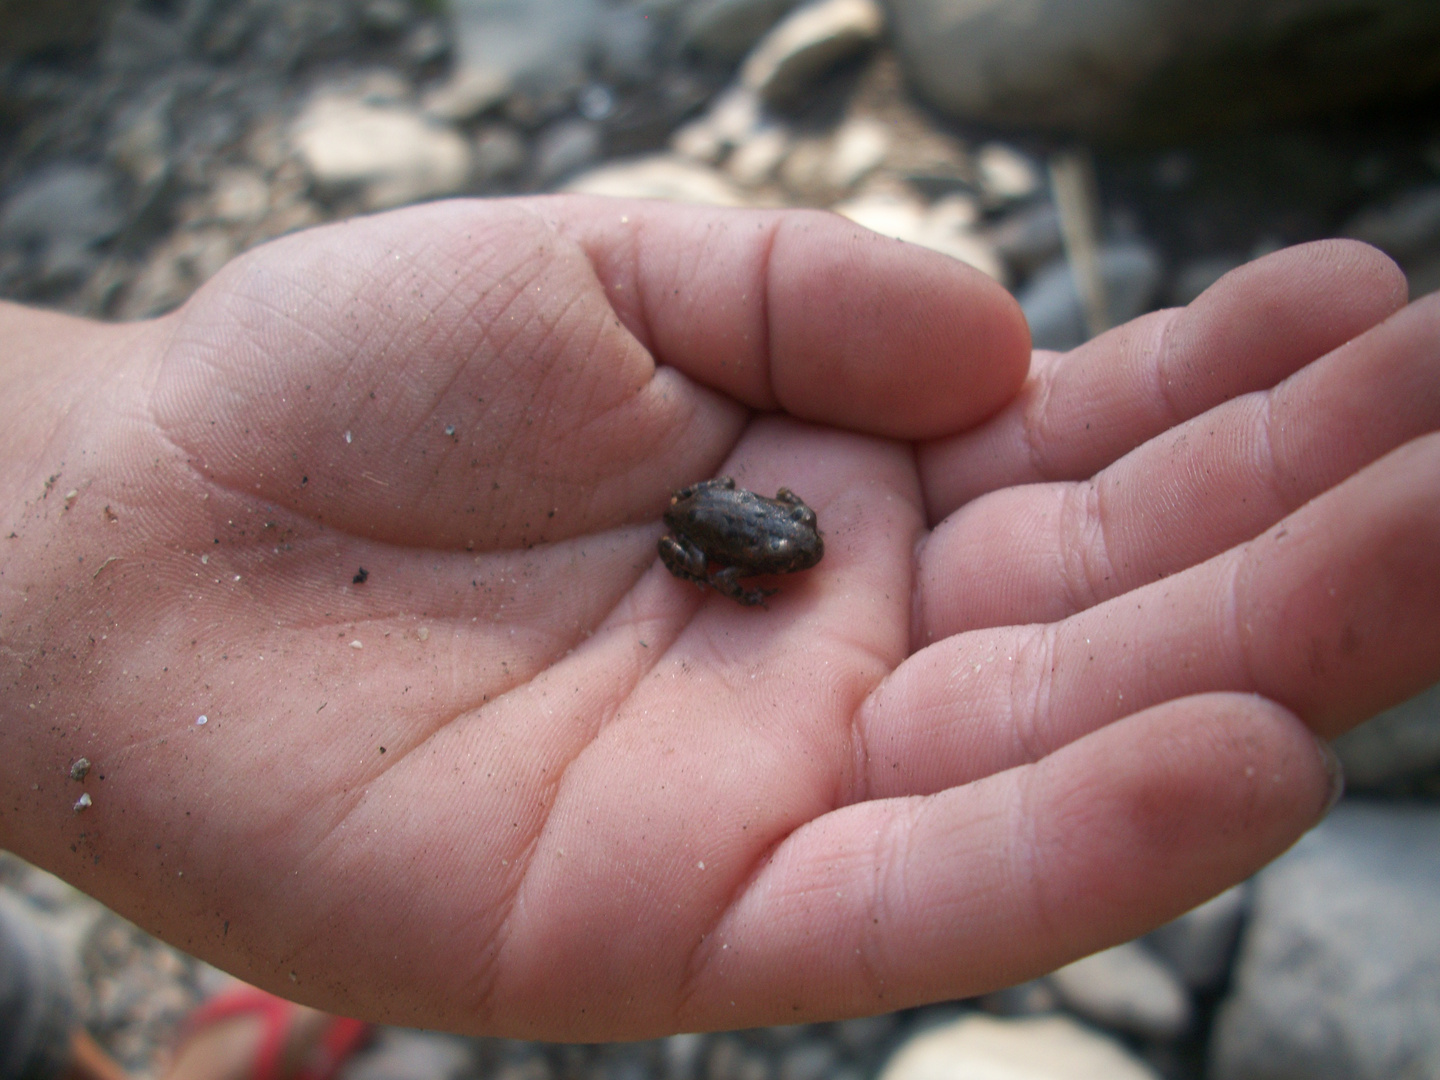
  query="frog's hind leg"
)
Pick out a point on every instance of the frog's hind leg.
point(684, 560)
point(727, 581)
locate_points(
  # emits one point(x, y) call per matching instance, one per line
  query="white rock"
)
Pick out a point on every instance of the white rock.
point(698, 141)
point(392, 154)
point(756, 159)
point(469, 92)
point(943, 228)
point(803, 171)
point(239, 196)
point(1006, 174)
point(861, 144)
point(659, 177)
point(807, 43)
point(979, 1047)
point(733, 117)
point(1126, 988)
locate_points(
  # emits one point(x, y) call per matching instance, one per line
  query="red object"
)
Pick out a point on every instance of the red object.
point(340, 1038)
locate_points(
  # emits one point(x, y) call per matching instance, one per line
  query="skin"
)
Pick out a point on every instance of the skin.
point(1058, 678)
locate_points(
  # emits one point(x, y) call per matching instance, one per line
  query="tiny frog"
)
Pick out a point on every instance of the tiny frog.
point(720, 533)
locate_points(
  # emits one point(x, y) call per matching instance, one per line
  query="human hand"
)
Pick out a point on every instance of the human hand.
point(519, 779)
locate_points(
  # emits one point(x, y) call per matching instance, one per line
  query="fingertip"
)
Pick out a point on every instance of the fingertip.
point(1162, 809)
point(886, 337)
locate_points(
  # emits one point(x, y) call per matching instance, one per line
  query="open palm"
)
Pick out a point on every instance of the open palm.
point(343, 578)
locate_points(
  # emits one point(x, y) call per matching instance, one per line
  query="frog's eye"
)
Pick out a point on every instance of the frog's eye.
point(803, 514)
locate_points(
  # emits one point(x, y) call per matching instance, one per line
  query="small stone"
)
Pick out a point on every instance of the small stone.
point(866, 1034)
point(1006, 175)
point(471, 92)
point(400, 1054)
point(1028, 237)
point(1402, 228)
point(681, 1055)
point(140, 143)
point(80, 769)
point(809, 1059)
point(391, 154)
point(804, 168)
point(239, 196)
point(83, 803)
point(1400, 744)
point(72, 205)
point(979, 1047)
point(1126, 988)
point(698, 141)
point(725, 1058)
point(595, 102)
point(732, 118)
point(177, 266)
point(807, 43)
point(860, 146)
point(1032, 998)
point(1196, 275)
point(141, 42)
point(1200, 944)
point(725, 30)
point(527, 1065)
point(1339, 966)
point(1051, 302)
point(425, 44)
point(385, 17)
point(565, 148)
point(499, 152)
point(542, 47)
point(625, 44)
point(659, 177)
point(756, 159)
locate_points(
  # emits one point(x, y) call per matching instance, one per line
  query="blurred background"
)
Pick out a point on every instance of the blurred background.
point(1101, 158)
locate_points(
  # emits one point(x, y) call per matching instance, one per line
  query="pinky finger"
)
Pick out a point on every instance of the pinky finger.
point(896, 902)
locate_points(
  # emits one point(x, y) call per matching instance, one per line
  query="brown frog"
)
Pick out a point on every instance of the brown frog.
point(720, 533)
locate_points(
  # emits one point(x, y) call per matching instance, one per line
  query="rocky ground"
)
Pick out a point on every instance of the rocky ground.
point(143, 143)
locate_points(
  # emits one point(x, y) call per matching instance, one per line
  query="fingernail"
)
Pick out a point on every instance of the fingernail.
point(1335, 771)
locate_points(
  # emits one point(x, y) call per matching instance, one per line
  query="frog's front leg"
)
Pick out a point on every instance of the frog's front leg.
point(727, 581)
point(684, 560)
